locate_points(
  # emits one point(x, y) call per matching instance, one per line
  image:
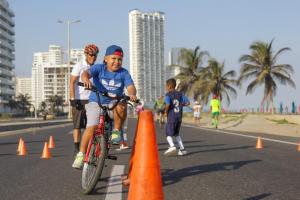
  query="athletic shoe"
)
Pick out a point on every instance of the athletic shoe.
point(78, 162)
point(182, 152)
point(116, 137)
point(123, 146)
point(170, 151)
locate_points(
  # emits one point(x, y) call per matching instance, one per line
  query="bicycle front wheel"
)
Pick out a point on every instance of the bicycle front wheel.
point(92, 169)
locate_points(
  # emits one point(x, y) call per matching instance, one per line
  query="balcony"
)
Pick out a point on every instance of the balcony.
point(6, 72)
point(6, 81)
point(7, 17)
point(7, 27)
point(7, 45)
point(9, 39)
point(7, 54)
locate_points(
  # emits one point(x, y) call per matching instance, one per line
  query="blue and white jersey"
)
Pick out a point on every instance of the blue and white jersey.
point(112, 82)
point(176, 100)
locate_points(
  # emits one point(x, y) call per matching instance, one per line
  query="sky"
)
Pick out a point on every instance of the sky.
point(224, 28)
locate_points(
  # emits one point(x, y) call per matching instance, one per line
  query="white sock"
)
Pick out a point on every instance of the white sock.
point(170, 141)
point(179, 142)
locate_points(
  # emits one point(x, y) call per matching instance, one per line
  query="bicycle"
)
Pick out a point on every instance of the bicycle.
point(99, 144)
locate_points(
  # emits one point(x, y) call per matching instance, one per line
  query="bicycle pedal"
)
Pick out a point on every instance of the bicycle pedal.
point(112, 157)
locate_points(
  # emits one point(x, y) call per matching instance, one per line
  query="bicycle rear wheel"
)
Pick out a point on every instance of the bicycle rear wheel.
point(92, 169)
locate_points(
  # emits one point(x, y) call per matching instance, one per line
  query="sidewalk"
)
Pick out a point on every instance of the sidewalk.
point(283, 125)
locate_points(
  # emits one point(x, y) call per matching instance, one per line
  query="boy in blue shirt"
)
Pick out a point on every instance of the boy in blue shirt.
point(174, 102)
point(112, 78)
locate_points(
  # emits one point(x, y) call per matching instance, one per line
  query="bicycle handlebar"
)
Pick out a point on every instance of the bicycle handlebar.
point(106, 94)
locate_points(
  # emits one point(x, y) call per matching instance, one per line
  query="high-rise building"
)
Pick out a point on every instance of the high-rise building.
point(76, 55)
point(173, 67)
point(146, 45)
point(7, 56)
point(49, 74)
point(23, 86)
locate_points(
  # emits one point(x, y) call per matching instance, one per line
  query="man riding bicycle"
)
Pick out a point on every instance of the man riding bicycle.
point(109, 77)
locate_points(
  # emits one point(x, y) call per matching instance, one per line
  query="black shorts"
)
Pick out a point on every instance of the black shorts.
point(79, 114)
point(173, 128)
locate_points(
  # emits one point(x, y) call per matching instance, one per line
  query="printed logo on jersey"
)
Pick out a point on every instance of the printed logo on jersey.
point(111, 84)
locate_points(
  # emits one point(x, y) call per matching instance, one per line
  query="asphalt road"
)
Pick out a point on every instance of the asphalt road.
point(218, 166)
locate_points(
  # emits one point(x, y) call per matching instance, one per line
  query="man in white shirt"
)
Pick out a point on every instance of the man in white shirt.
point(78, 95)
point(197, 111)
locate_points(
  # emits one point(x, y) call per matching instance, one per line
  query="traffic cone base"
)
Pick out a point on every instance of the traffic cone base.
point(51, 143)
point(46, 152)
point(259, 143)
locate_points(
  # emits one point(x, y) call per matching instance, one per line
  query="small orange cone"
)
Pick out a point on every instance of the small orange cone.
point(299, 146)
point(20, 145)
point(22, 151)
point(51, 143)
point(46, 152)
point(259, 143)
point(145, 177)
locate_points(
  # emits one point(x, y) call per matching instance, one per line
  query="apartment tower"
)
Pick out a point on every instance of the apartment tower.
point(146, 45)
point(7, 56)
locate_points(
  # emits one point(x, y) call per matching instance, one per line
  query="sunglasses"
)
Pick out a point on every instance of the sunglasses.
point(92, 55)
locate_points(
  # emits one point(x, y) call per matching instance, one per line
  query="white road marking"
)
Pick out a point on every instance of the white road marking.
point(114, 186)
point(243, 135)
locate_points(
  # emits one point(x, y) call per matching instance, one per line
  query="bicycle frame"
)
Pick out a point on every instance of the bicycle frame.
point(98, 132)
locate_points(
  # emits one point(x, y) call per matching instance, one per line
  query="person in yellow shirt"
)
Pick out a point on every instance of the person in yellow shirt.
point(215, 108)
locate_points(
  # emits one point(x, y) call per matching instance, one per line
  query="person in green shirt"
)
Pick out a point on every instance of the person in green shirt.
point(159, 107)
point(215, 108)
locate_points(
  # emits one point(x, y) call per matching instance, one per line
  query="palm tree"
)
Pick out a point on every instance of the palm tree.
point(191, 69)
point(43, 106)
point(214, 80)
point(23, 102)
point(13, 104)
point(262, 65)
point(55, 101)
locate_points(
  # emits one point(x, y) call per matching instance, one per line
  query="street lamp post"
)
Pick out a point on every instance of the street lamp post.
point(68, 22)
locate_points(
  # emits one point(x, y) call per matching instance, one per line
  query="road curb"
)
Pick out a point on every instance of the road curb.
point(28, 130)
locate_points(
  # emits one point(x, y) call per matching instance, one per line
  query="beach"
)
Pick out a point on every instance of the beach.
point(284, 125)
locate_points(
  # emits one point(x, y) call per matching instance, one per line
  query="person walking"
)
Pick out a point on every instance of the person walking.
point(197, 113)
point(215, 108)
point(78, 95)
point(174, 103)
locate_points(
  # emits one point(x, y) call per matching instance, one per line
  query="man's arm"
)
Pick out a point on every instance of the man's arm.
point(72, 86)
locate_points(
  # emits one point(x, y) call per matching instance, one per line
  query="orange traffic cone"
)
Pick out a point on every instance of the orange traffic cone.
point(20, 145)
point(46, 152)
point(22, 151)
point(259, 143)
point(51, 143)
point(145, 177)
point(299, 146)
